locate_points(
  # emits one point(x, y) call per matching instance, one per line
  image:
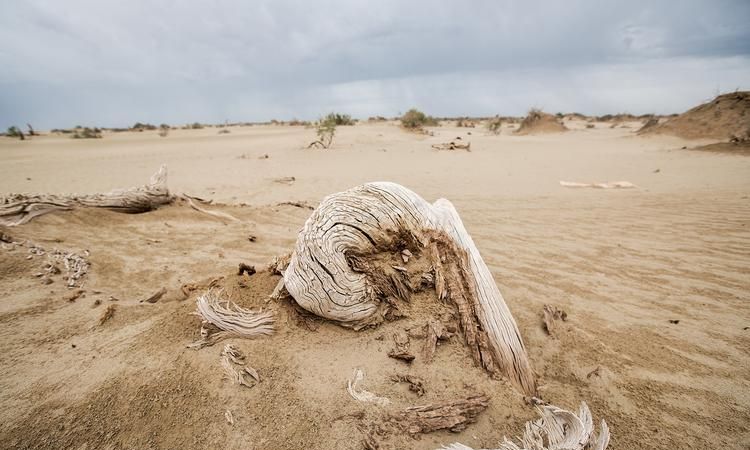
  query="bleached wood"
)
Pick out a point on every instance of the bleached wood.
point(17, 209)
point(557, 429)
point(367, 218)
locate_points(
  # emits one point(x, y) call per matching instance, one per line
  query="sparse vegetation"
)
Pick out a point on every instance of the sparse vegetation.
point(465, 123)
point(494, 125)
point(164, 130)
point(340, 119)
point(415, 119)
point(224, 131)
point(87, 133)
point(15, 132)
point(326, 130)
point(142, 126)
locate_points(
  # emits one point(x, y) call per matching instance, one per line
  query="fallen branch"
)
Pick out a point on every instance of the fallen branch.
point(608, 185)
point(452, 145)
point(17, 209)
point(218, 214)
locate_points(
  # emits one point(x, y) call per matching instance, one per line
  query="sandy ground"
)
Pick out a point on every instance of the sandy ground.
point(622, 263)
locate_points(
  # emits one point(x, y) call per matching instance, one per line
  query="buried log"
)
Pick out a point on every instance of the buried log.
point(334, 271)
point(17, 209)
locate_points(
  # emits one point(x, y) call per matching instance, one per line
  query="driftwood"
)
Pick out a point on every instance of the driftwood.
point(454, 415)
point(227, 319)
point(415, 383)
point(333, 272)
point(557, 429)
point(17, 209)
point(453, 145)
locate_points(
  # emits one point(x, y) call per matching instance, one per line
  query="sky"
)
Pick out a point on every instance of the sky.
point(113, 63)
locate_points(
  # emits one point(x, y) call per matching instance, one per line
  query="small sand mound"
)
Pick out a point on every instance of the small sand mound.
point(725, 116)
point(537, 122)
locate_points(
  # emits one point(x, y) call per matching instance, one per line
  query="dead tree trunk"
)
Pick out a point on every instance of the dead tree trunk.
point(17, 209)
point(333, 271)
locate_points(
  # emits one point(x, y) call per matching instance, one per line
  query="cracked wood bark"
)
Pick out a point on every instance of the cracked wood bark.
point(326, 275)
point(17, 209)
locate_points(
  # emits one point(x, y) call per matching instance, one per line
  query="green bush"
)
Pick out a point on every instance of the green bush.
point(87, 133)
point(494, 125)
point(15, 132)
point(340, 119)
point(415, 119)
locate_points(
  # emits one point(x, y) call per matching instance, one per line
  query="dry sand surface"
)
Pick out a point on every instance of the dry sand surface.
point(655, 281)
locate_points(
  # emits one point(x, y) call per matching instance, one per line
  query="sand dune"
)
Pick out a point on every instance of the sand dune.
point(654, 281)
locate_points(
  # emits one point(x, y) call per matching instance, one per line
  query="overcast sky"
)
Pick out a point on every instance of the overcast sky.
point(112, 63)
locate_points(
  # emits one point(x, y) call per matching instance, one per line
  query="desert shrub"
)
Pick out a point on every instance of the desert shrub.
point(224, 131)
point(494, 125)
point(164, 130)
point(196, 126)
point(299, 123)
point(376, 119)
point(340, 119)
point(142, 126)
point(15, 132)
point(87, 133)
point(589, 125)
point(465, 123)
point(326, 130)
point(415, 119)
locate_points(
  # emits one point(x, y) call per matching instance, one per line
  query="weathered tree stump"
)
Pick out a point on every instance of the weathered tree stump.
point(335, 273)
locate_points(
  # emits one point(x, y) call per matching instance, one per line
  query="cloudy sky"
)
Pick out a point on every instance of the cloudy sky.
point(112, 63)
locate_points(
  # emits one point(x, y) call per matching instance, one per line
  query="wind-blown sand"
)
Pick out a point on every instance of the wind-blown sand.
point(621, 263)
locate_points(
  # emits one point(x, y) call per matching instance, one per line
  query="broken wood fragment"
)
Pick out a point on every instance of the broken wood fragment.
point(156, 296)
point(551, 314)
point(453, 145)
point(244, 268)
point(415, 383)
point(108, 314)
point(453, 415)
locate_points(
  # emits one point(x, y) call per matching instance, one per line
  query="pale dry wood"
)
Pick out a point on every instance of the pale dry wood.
point(362, 395)
point(370, 219)
point(224, 319)
point(557, 429)
point(17, 209)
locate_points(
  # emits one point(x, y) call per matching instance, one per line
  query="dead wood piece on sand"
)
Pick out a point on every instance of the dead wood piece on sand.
point(362, 395)
point(227, 319)
point(108, 314)
point(453, 415)
point(415, 383)
point(217, 214)
point(607, 185)
point(231, 354)
point(322, 277)
point(401, 350)
point(156, 296)
point(453, 145)
point(551, 315)
point(17, 209)
point(435, 331)
point(302, 205)
point(229, 417)
point(556, 429)
point(285, 180)
point(244, 268)
point(73, 296)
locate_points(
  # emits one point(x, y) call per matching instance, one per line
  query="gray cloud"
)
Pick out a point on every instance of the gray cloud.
point(113, 63)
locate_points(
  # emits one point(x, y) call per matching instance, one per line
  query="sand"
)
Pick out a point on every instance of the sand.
point(624, 265)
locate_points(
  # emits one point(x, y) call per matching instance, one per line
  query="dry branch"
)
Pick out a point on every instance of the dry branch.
point(17, 209)
point(557, 429)
point(363, 395)
point(333, 272)
point(231, 319)
point(453, 145)
point(552, 314)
